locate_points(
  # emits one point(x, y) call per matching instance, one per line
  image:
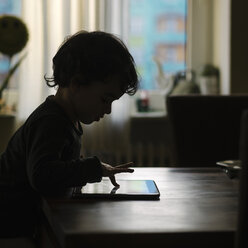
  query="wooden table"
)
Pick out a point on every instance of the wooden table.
point(197, 208)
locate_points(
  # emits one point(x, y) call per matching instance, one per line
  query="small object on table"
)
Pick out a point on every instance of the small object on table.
point(142, 102)
point(231, 167)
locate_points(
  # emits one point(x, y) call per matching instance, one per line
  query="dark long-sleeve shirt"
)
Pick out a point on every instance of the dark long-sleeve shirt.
point(42, 156)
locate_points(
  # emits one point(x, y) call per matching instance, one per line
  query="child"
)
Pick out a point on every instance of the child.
point(91, 70)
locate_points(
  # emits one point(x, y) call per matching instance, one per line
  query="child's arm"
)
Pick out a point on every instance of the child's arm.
point(53, 157)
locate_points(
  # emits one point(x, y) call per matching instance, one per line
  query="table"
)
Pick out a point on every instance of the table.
point(197, 208)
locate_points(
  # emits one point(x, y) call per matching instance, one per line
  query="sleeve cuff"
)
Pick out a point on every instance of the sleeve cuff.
point(92, 170)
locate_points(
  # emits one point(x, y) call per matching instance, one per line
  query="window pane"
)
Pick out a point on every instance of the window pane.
point(157, 29)
point(10, 7)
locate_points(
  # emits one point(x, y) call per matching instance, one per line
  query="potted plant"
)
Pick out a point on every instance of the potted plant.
point(13, 38)
point(209, 80)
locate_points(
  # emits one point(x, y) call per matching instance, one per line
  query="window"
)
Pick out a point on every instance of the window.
point(10, 7)
point(157, 29)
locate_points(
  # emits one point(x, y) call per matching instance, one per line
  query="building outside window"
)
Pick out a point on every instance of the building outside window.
point(157, 29)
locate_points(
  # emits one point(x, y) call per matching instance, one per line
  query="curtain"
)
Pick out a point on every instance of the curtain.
point(109, 139)
point(49, 22)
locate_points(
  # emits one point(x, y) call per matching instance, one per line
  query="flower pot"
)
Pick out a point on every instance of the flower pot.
point(209, 85)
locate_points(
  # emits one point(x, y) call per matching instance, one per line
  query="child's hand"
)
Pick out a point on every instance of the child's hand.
point(110, 171)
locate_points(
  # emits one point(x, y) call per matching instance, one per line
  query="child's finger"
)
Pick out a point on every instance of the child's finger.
point(124, 165)
point(121, 170)
point(113, 181)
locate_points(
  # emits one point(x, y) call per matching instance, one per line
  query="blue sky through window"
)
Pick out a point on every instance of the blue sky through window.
point(10, 7)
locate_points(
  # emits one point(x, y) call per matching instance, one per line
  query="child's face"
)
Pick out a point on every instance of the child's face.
point(93, 101)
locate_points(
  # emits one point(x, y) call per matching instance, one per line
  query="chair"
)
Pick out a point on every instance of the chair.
point(205, 128)
point(241, 237)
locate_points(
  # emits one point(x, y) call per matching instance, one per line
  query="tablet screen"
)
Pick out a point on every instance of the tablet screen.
point(128, 189)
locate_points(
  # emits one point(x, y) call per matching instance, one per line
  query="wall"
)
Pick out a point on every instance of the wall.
point(239, 46)
point(209, 37)
point(200, 34)
point(230, 50)
point(221, 42)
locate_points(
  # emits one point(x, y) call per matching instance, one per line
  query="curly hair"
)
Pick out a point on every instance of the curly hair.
point(93, 56)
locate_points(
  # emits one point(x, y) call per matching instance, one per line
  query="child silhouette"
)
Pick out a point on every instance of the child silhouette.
point(90, 71)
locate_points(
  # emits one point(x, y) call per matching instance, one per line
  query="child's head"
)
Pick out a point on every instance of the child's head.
point(88, 57)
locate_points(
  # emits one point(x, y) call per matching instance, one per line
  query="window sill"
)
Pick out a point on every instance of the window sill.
point(149, 114)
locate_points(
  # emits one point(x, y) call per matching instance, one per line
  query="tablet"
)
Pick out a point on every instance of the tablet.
point(129, 189)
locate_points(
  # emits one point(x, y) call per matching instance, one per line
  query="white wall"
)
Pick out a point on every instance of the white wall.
point(209, 37)
point(200, 35)
point(221, 49)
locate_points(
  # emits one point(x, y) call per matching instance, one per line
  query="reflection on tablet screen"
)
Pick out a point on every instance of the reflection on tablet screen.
point(126, 187)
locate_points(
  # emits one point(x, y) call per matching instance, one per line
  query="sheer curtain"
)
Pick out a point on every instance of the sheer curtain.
point(48, 23)
point(109, 138)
